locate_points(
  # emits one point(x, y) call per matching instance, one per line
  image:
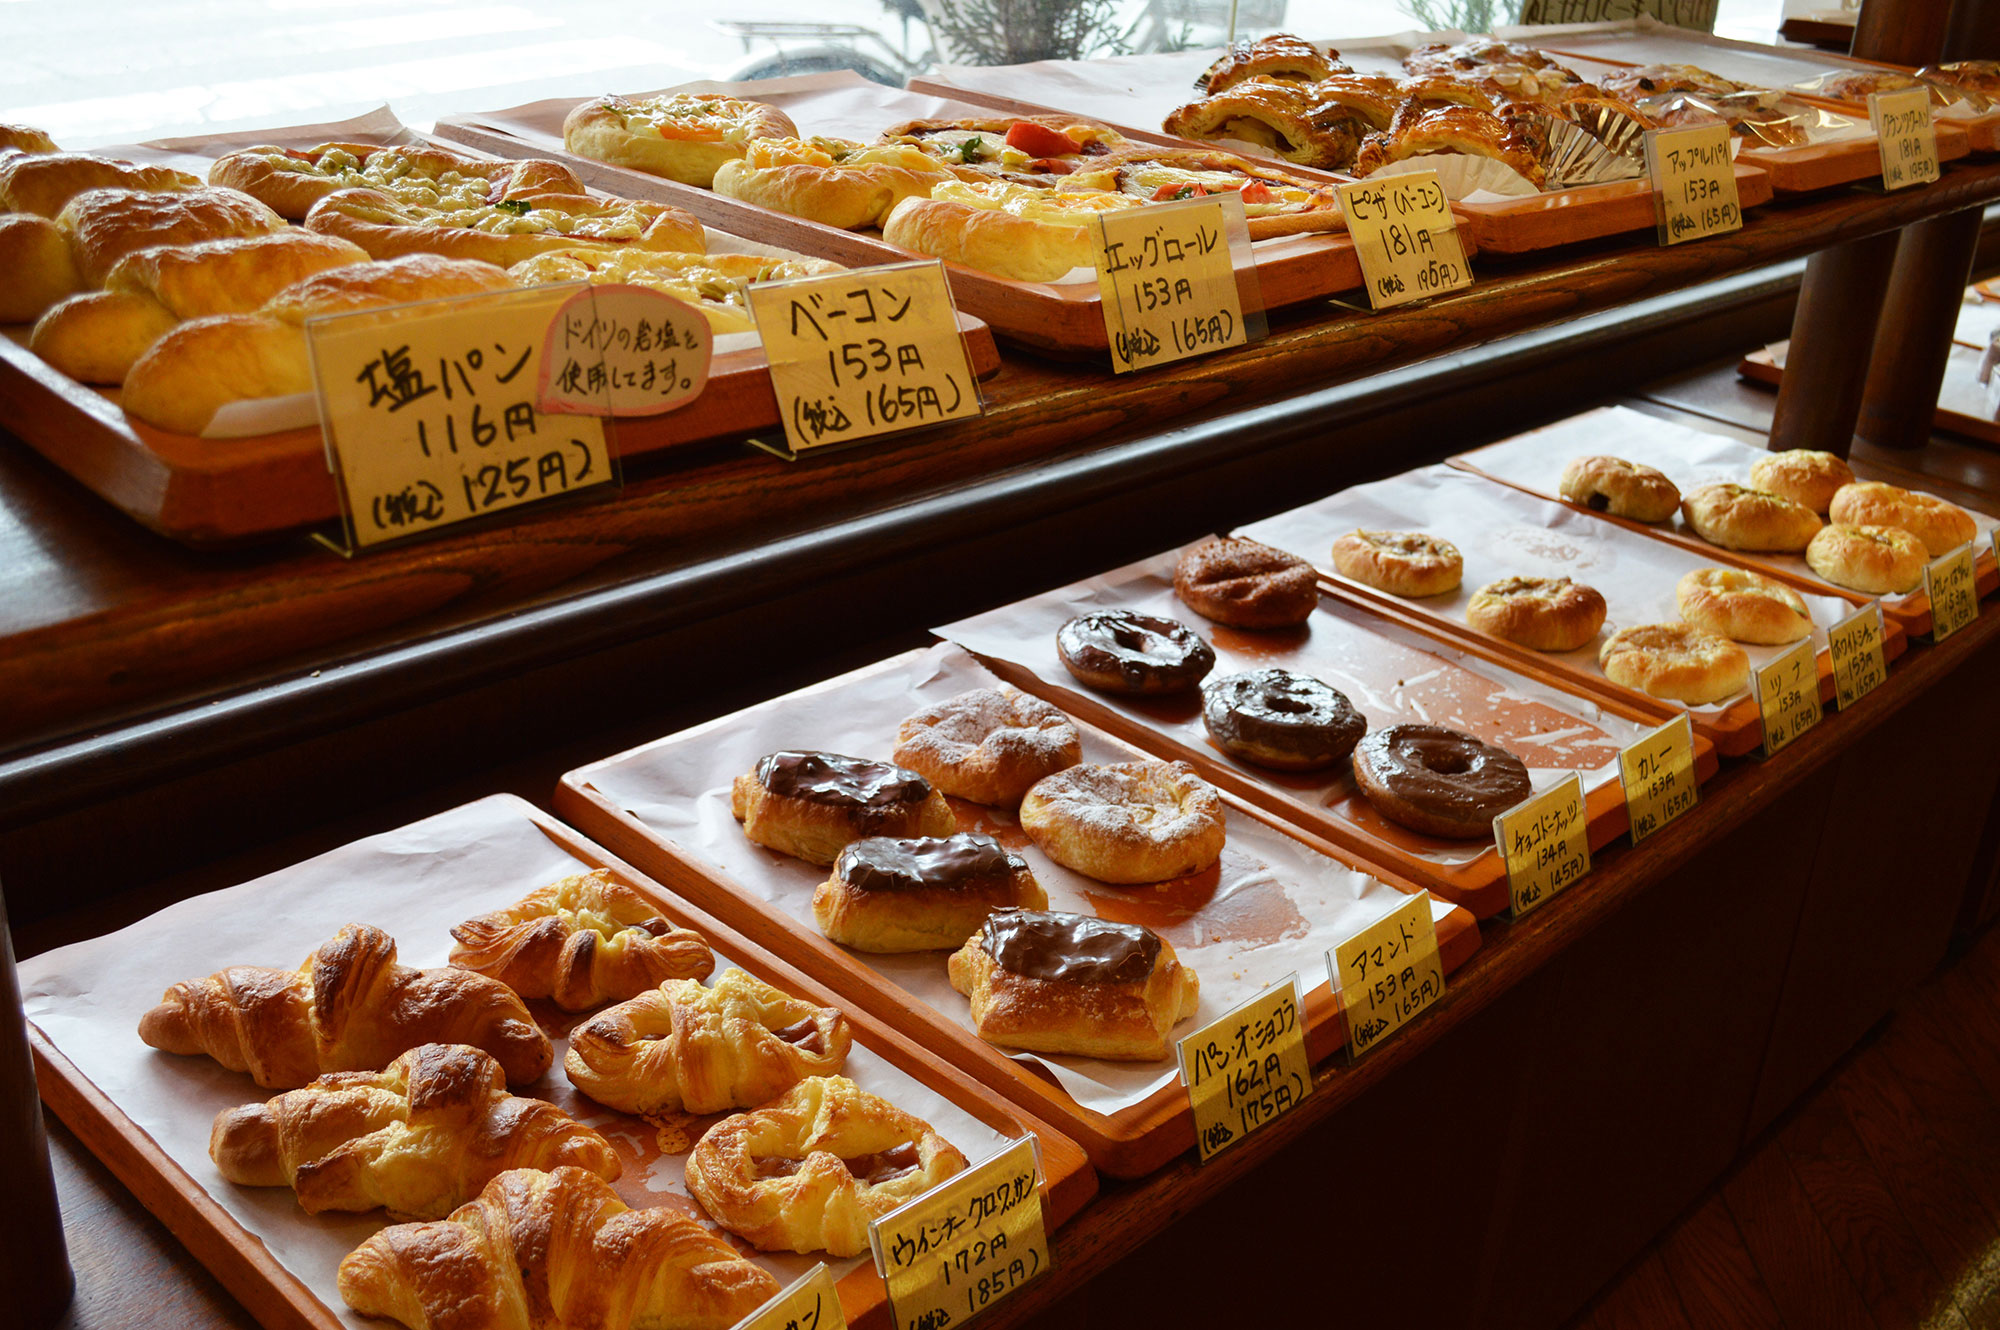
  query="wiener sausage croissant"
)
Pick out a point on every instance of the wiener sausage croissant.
point(553, 1251)
point(349, 1007)
point(419, 1138)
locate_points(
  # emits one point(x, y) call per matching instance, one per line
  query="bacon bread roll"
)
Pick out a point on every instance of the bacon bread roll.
point(832, 181)
point(503, 233)
point(682, 136)
point(1278, 56)
point(293, 180)
point(1014, 231)
point(715, 284)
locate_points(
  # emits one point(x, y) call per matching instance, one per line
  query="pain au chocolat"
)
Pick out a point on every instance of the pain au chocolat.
point(811, 805)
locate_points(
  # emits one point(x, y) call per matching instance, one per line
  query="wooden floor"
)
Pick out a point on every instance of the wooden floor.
point(1874, 1204)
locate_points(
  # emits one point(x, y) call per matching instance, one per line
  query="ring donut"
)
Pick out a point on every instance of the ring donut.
point(1275, 718)
point(1117, 651)
point(1438, 781)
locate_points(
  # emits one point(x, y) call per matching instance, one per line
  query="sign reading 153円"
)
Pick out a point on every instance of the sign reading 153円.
point(1694, 182)
point(1788, 696)
point(1405, 237)
point(1166, 278)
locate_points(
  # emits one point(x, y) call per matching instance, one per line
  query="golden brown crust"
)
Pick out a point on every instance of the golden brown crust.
point(1402, 563)
point(25, 138)
point(1452, 129)
point(292, 180)
point(681, 136)
point(1737, 517)
point(38, 267)
point(926, 918)
point(1941, 526)
point(1276, 116)
point(1676, 661)
point(831, 181)
point(1880, 560)
point(1123, 1022)
point(43, 184)
point(713, 283)
point(506, 233)
point(1126, 822)
point(988, 745)
point(1621, 488)
point(816, 831)
point(1540, 613)
point(105, 225)
point(1743, 606)
point(1242, 582)
point(1277, 56)
point(1653, 80)
point(96, 337)
point(1803, 475)
point(1275, 202)
point(960, 145)
point(1048, 242)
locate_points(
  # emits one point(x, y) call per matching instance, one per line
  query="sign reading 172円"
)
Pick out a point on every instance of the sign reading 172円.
point(1694, 182)
point(964, 1244)
point(1405, 237)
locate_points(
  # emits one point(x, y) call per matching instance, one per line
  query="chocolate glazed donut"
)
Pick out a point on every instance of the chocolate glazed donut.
point(1282, 720)
point(1438, 781)
point(1117, 651)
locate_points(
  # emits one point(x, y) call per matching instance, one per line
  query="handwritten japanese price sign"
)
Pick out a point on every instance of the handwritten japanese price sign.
point(1694, 182)
point(811, 1303)
point(1954, 596)
point(965, 1244)
point(431, 417)
point(856, 354)
point(1658, 774)
point(1903, 127)
point(1859, 666)
point(617, 350)
point(1545, 843)
point(1405, 236)
point(1388, 973)
point(1167, 275)
point(1788, 696)
point(1246, 1069)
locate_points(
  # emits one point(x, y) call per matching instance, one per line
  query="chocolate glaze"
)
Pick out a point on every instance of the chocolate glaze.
point(1045, 944)
point(1442, 770)
point(872, 1169)
point(1148, 654)
point(886, 863)
point(1311, 722)
point(846, 782)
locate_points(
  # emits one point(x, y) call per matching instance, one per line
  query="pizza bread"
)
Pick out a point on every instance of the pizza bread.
point(503, 233)
point(682, 136)
point(292, 180)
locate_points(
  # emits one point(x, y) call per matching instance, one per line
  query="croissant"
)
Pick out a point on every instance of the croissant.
point(582, 941)
point(685, 1048)
point(349, 1007)
point(553, 1251)
point(419, 1138)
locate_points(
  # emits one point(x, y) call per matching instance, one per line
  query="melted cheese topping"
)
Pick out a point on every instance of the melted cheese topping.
point(1036, 205)
point(395, 175)
point(836, 154)
point(713, 283)
point(1145, 180)
point(691, 117)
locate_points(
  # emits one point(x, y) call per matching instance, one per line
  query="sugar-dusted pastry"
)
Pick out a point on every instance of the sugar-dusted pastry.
point(1402, 563)
point(554, 1251)
point(1803, 475)
point(811, 1171)
point(835, 182)
point(1120, 651)
point(419, 1138)
point(1880, 560)
point(1280, 55)
point(1942, 526)
point(44, 183)
point(1540, 613)
point(684, 136)
point(1737, 517)
point(715, 284)
point(426, 174)
point(1275, 718)
point(685, 1048)
point(1126, 822)
point(1438, 781)
point(1247, 584)
point(581, 941)
point(349, 1007)
point(810, 805)
point(1069, 983)
point(1621, 488)
point(1677, 661)
point(1027, 148)
point(1008, 229)
point(988, 745)
point(1743, 606)
point(922, 894)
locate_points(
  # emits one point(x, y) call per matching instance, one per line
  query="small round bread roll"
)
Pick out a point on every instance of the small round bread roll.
point(1621, 488)
point(1402, 563)
point(1880, 560)
point(1803, 475)
point(988, 745)
point(40, 269)
point(1942, 526)
point(1677, 661)
point(1127, 822)
point(1541, 613)
point(1246, 584)
point(1743, 606)
point(1737, 517)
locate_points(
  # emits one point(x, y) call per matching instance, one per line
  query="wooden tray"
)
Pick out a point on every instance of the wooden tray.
point(281, 1300)
point(1959, 382)
point(1522, 533)
point(1369, 660)
point(1128, 1142)
point(1533, 463)
point(1065, 318)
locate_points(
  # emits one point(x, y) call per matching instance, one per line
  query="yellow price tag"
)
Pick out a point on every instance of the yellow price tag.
point(1954, 594)
point(1405, 237)
point(1903, 127)
point(1545, 843)
point(1658, 774)
point(431, 413)
point(1247, 1069)
point(1788, 696)
point(1167, 276)
point(809, 1304)
point(1694, 182)
point(1859, 665)
point(856, 354)
point(1388, 973)
point(966, 1243)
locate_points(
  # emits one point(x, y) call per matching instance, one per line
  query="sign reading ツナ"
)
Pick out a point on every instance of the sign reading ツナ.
point(1405, 237)
point(1545, 843)
point(1903, 127)
point(1859, 664)
point(1694, 182)
point(1167, 277)
point(1388, 974)
point(1788, 696)
point(1247, 1068)
point(965, 1244)
point(1658, 774)
point(618, 350)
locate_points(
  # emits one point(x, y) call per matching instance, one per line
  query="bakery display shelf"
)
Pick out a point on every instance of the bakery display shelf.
point(1064, 318)
point(665, 807)
point(1503, 531)
point(1961, 385)
point(1532, 463)
point(280, 1278)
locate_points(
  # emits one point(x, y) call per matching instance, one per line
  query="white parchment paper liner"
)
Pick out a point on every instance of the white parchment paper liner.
point(679, 787)
point(416, 883)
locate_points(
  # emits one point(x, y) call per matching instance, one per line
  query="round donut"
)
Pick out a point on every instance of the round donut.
point(1275, 718)
point(1743, 606)
point(1127, 822)
point(1402, 563)
point(1541, 613)
point(1803, 475)
point(1677, 661)
point(1621, 488)
point(1246, 584)
point(988, 745)
point(1942, 526)
point(1737, 517)
point(1117, 651)
point(1881, 560)
point(1438, 781)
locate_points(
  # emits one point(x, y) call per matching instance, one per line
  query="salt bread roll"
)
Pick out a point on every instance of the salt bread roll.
point(104, 225)
point(43, 184)
point(37, 266)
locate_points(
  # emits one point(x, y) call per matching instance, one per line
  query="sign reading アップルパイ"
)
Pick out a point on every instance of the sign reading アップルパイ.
point(1694, 182)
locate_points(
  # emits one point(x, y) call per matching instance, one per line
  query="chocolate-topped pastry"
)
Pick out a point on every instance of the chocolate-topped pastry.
point(1118, 651)
point(809, 804)
point(1438, 781)
point(1052, 982)
point(921, 894)
point(1278, 719)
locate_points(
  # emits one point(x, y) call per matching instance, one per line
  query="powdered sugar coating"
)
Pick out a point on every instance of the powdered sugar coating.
point(988, 745)
point(1126, 821)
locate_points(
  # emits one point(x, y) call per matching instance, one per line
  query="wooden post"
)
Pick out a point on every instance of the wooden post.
point(35, 1278)
point(1832, 334)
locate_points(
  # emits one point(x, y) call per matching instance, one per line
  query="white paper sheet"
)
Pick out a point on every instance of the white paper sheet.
point(1274, 906)
point(415, 883)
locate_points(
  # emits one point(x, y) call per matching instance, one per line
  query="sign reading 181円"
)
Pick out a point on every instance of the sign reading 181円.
point(1903, 126)
point(1405, 237)
point(1694, 182)
point(1166, 274)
